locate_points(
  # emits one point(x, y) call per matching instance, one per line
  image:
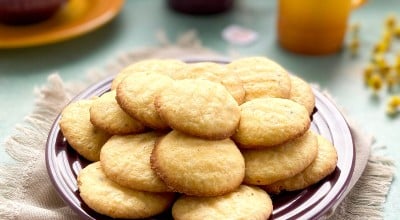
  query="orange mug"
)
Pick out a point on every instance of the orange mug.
point(313, 27)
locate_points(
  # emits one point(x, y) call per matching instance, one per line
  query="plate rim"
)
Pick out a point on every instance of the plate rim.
point(337, 197)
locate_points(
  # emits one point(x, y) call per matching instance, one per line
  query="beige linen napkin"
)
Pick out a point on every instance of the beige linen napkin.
point(370, 183)
point(27, 193)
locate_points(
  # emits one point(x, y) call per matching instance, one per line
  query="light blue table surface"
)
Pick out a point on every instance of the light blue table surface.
point(21, 70)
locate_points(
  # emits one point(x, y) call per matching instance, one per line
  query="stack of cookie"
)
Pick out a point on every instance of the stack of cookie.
point(209, 140)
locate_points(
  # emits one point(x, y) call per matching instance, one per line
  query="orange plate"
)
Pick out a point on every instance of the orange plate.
point(77, 17)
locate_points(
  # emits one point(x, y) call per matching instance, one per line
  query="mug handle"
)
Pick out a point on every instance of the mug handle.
point(357, 3)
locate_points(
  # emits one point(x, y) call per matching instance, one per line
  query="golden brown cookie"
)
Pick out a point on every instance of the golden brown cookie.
point(200, 108)
point(270, 165)
point(136, 94)
point(322, 166)
point(246, 202)
point(80, 133)
point(196, 166)
point(261, 77)
point(166, 67)
point(216, 73)
point(126, 161)
point(105, 113)
point(302, 93)
point(108, 198)
point(267, 122)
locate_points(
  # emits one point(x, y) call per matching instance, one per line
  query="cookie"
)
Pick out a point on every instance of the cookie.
point(302, 93)
point(216, 73)
point(166, 67)
point(198, 167)
point(322, 166)
point(247, 202)
point(80, 133)
point(200, 108)
point(261, 77)
point(108, 198)
point(105, 113)
point(267, 122)
point(136, 95)
point(126, 161)
point(266, 166)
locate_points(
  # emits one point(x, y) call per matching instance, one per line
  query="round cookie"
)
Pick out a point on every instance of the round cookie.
point(166, 67)
point(196, 166)
point(247, 202)
point(267, 122)
point(302, 93)
point(261, 77)
point(80, 133)
point(200, 108)
point(269, 165)
point(105, 113)
point(322, 166)
point(108, 198)
point(126, 161)
point(136, 95)
point(216, 73)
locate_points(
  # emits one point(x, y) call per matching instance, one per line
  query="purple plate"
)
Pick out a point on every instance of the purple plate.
point(63, 165)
